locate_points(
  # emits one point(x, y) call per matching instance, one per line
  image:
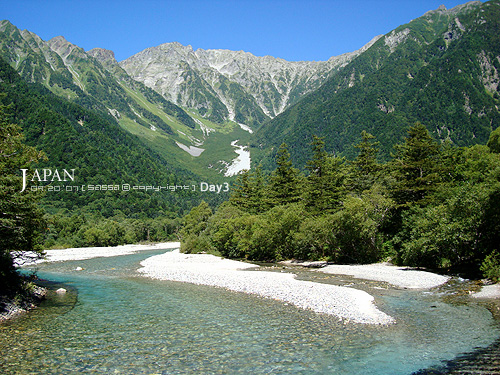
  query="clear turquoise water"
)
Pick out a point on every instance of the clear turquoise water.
point(114, 322)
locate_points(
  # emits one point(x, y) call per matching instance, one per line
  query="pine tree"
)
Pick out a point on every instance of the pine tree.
point(416, 168)
point(325, 185)
point(285, 185)
point(248, 193)
point(366, 167)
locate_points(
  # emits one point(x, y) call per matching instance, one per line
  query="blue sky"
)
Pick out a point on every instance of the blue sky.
point(290, 29)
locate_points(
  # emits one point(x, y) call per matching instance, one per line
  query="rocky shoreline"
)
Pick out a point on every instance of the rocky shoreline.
point(13, 307)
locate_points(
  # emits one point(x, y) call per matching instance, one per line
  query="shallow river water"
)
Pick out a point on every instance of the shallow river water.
point(113, 321)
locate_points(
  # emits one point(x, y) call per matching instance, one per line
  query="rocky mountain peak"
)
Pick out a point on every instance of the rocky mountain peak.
point(65, 49)
point(104, 56)
point(457, 9)
point(4, 24)
point(59, 42)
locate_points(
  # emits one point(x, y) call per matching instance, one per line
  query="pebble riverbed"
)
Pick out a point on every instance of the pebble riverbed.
point(345, 303)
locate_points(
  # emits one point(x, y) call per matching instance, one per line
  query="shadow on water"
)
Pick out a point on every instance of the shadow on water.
point(481, 361)
point(60, 303)
point(54, 303)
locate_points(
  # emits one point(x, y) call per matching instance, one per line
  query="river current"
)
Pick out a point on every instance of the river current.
point(114, 321)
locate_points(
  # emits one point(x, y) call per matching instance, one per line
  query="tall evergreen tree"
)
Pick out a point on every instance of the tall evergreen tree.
point(248, 192)
point(416, 168)
point(285, 184)
point(325, 185)
point(366, 167)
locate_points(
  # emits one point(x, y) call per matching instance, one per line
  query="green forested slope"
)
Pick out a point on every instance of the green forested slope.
point(97, 148)
point(431, 205)
point(440, 69)
point(70, 72)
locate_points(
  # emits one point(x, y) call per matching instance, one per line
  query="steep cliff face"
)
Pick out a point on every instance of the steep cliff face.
point(32, 57)
point(234, 85)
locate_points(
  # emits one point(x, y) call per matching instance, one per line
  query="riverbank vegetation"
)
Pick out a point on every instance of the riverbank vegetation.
point(36, 219)
point(84, 230)
point(21, 220)
point(431, 205)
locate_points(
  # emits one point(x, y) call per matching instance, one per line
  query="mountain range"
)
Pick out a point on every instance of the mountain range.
point(441, 69)
point(230, 85)
point(190, 106)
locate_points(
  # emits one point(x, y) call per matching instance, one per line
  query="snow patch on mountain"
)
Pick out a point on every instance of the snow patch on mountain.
point(240, 163)
point(191, 150)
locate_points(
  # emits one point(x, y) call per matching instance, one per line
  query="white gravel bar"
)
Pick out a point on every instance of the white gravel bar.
point(488, 291)
point(348, 304)
point(81, 253)
point(399, 276)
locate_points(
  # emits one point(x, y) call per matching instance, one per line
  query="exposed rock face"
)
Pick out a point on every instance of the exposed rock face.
point(104, 56)
point(395, 38)
point(28, 53)
point(66, 49)
point(489, 73)
point(234, 85)
point(108, 61)
point(12, 307)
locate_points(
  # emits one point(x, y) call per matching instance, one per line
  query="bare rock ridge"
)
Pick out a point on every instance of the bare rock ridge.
point(104, 56)
point(233, 85)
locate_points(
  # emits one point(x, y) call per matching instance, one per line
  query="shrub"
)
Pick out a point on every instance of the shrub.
point(491, 266)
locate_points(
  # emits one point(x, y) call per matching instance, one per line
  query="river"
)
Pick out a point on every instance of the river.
point(114, 321)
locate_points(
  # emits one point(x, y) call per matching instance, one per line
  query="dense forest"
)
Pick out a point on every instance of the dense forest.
point(431, 205)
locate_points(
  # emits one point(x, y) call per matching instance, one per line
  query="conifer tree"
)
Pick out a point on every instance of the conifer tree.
point(285, 181)
point(416, 168)
point(325, 185)
point(366, 167)
point(248, 193)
